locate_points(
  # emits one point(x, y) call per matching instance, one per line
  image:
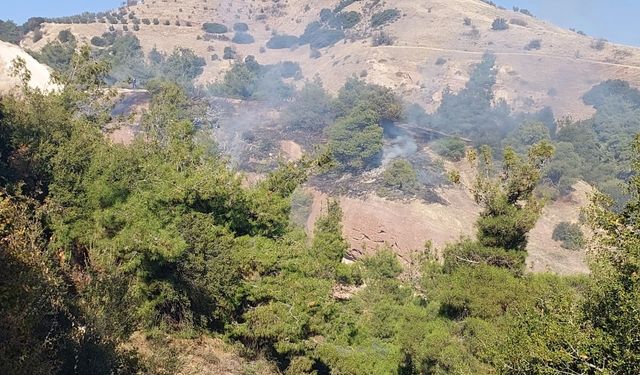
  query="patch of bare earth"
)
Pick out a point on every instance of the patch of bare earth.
point(203, 355)
point(545, 254)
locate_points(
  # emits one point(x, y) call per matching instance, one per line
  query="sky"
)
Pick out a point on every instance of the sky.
point(20, 10)
point(615, 20)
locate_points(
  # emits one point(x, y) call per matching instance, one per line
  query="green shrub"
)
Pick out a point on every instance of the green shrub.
point(382, 38)
point(570, 234)
point(214, 28)
point(156, 21)
point(400, 175)
point(229, 53)
point(146, 21)
point(98, 41)
point(519, 22)
point(356, 141)
point(599, 44)
point(240, 27)
point(500, 24)
point(384, 17)
point(243, 38)
point(345, 20)
point(534, 45)
point(318, 35)
point(341, 5)
point(450, 148)
point(66, 36)
point(282, 41)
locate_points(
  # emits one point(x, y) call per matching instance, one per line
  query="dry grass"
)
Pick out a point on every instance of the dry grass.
point(426, 32)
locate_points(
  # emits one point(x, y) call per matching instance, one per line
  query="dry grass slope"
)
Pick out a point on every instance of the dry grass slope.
point(556, 75)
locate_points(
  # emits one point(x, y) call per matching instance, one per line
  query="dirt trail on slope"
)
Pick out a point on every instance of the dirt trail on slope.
point(480, 53)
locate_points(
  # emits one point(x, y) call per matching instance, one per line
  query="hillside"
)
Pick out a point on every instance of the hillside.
point(40, 74)
point(435, 44)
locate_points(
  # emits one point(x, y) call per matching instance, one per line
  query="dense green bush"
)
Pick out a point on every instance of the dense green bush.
point(500, 24)
point(341, 5)
point(518, 21)
point(311, 111)
point(570, 235)
point(535, 44)
point(400, 175)
point(381, 38)
point(384, 17)
point(240, 27)
point(10, 32)
point(282, 41)
point(356, 140)
point(229, 53)
point(451, 148)
point(214, 28)
point(243, 38)
point(318, 36)
point(98, 41)
point(344, 20)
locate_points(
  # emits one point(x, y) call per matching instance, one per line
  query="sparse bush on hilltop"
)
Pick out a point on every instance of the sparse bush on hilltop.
point(518, 21)
point(499, 24)
point(467, 21)
point(599, 44)
point(214, 28)
point(384, 17)
point(533, 45)
point(526, 12)
point(570, 234)
point(381, 38)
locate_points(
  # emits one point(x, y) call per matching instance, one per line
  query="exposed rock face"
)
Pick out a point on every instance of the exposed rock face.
point(40, 74)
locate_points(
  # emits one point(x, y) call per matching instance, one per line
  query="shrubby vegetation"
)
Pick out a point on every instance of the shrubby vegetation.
point(214, 28)
point(126, 59)
point(400, 175)
point(242, 38)
point(500, 24)
point(384, 17)
point(450, 148)
point(249, 80)
point(100, 240)
point(58, 53)
point(570, 234)
point(282, 41)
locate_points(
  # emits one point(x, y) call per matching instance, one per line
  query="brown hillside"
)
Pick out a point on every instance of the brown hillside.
point(556, 75)
point(40, 74)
